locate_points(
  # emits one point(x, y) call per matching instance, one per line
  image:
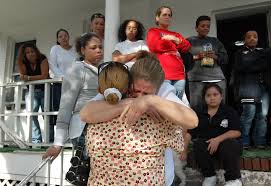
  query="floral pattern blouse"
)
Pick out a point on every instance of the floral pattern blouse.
point(123, 154)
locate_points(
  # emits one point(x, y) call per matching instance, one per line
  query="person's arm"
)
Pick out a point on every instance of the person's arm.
point(187, 138)
point(184, 45)
point(232, 133)
point(103, 111)
point(187, 118)
point(123, 58)
point(71, 87)
point(158, 45)
point(221, 55)
point(214, 142)
point(44, 72)
point(21, 65)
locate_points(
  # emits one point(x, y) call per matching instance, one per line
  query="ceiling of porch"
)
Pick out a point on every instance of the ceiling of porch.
point(16, 13)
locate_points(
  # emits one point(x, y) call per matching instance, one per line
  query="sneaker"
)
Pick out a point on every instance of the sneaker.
point(209, 181)
point(236, 182)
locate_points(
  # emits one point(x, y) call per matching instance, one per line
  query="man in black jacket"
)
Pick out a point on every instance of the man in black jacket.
point(250, 89)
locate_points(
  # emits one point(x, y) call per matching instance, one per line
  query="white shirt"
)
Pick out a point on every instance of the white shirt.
point(60, 60)
point(128, 47)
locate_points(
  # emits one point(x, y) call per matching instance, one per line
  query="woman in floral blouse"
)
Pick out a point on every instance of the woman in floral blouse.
point(130, 150)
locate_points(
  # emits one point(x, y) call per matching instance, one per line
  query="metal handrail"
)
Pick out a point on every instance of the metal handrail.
point(36, 170)
point(15, 138)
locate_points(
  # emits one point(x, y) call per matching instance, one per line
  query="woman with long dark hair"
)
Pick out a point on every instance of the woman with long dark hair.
point(33, 66)
point(131, 37)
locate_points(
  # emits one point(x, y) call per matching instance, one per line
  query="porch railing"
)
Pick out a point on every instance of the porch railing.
point(13, 106)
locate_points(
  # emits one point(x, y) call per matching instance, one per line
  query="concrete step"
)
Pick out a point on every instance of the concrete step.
point(249, 178)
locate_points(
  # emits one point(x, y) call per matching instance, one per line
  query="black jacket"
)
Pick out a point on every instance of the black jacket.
point(224, 120)
point(249, 67)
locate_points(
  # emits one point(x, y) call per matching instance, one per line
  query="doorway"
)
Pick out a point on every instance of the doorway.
point(230, 31)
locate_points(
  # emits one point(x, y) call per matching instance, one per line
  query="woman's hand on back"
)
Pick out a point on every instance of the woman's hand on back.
point(154, 114)
point(134, 110)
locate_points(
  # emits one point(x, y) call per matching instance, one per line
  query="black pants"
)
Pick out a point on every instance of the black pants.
point(55, 101)
point(228, 152)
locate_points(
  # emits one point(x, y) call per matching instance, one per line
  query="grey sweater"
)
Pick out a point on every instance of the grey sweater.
point(78, 87)
point(199, 73)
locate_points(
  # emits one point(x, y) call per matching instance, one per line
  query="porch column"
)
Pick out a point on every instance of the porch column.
point(112, 20)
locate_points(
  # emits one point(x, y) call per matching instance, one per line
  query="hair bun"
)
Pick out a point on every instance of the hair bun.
point(112, 95)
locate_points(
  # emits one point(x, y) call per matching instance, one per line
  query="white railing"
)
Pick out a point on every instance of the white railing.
point(18, 112)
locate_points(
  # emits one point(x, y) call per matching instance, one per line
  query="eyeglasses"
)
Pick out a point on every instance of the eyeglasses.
point(97, 15)
point(105, 64)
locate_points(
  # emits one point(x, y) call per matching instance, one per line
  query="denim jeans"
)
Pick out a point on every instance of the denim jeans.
point(258, 112)
point(38, 101)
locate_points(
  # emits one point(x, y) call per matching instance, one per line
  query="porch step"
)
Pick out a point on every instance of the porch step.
point(15, 165)
point(249, 178)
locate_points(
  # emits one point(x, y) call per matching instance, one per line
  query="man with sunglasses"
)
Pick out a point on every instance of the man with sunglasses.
point(97, 24)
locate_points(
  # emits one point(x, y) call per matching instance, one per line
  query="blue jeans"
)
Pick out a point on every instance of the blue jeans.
point(179, 86)
point(38, 101)
point(258, 112)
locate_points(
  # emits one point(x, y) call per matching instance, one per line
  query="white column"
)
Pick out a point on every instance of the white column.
point(112, 20)
point(3, 55)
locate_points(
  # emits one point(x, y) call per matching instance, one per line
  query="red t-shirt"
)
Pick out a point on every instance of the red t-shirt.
point(168, 52)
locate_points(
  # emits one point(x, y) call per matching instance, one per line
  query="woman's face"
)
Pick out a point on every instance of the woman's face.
point(165, 17)
point(31, 55)
point(93, 51)
point(131, 31)
point(63, 38)
point(213, 97)
point(142, 87)
point(97, 26)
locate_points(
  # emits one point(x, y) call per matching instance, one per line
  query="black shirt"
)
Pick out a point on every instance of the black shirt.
point(224, 120)
point(36, 71)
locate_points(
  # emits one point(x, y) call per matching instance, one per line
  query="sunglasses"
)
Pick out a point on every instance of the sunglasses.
point(105, 64)
point(97, 15)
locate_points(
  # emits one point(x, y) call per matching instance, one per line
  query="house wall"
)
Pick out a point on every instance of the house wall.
point(184, 16)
